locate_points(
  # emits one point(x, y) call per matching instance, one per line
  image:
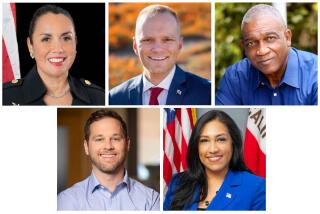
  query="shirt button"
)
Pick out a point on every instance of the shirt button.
point(275, 94)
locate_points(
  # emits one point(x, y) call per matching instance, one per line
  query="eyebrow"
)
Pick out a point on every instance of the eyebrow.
point(266, 33)
point(63, 34)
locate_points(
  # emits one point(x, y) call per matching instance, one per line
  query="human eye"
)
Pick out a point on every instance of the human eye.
point(250, 44)
point(146, 40)
point(98, 139)
point(67, 38)
point(203, 140)
point(271, 38)
point(45, 39)
point(116, 139)
point(221, 139)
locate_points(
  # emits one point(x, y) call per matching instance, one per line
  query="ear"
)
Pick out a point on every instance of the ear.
point(86, 147)
point(180, 43)
point(128, 144)
point(30, 46)
point(134, 45)
point(288, 36)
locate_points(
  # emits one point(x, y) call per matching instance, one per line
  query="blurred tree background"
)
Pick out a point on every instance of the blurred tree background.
point(301, 17)
point(195, 57)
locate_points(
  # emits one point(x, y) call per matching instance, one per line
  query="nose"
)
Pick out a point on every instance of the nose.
point(57, 46)
point(108, 145)
point(156, 46)
point(213, 147)
point(263, 49)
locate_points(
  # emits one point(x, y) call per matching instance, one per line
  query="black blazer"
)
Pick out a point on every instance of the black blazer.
point(31, 90)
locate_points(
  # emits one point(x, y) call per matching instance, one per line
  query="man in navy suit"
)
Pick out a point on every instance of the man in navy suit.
point(157, 43)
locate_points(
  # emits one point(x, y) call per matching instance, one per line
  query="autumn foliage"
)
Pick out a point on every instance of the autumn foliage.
point(195, 20)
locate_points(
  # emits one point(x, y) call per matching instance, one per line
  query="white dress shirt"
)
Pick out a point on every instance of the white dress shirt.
point(165, 84)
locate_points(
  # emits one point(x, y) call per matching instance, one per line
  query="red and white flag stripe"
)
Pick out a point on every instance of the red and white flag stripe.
point(255, 142)
point(178, 125)
point(10, 54)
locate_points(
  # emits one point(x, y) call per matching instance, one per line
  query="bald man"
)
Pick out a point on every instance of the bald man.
point(157, 43)
point(273, 72)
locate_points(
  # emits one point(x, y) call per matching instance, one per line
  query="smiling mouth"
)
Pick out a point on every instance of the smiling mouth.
point(158, 58)
point(57, 60)
point(214, 158)
point(263, 62)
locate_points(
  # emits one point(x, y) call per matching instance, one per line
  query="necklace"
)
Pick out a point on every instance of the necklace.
point(59, 96)
point(206, 203)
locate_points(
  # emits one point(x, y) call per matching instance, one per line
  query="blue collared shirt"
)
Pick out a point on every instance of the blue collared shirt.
point(89, 194)
point(243, 84)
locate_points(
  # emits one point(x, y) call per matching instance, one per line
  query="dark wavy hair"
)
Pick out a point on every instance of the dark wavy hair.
point(101, 114)
point(195, 176)
point(48, 8)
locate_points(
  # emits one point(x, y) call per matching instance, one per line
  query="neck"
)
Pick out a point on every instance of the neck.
point(215, 179)
point(275, 78)
point(55, 85)
point(156, 77)
point(109, 180)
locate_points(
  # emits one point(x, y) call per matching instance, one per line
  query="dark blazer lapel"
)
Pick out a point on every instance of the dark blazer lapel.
point(34, 89)
point(135, 91)
point(177, 88)
point(227, 192)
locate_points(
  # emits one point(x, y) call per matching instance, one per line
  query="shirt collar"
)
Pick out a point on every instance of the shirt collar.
point(94, 184)
point(165, 83)
point(290, 77)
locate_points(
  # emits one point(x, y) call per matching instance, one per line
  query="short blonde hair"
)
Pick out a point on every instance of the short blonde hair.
point(153, 10)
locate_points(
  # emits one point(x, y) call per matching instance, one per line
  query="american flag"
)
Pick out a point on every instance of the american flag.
point(177, 127)
point(10, 55)
point(255, 142)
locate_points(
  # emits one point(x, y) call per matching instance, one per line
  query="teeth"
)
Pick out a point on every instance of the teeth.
point(56, 59)
point(214, 158)
point(158, 58)
point(107, 156)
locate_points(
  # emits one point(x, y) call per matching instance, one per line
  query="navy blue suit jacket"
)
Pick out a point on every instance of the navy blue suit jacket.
point(240, 191)
point(185, 89)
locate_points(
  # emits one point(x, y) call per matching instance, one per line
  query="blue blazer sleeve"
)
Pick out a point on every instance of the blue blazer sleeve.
point(170, 192)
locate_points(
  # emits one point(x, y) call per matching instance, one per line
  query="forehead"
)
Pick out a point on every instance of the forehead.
point(163, 23)
point(53, 22)
point(261, 25)
point(106, 125)
point(214, 127)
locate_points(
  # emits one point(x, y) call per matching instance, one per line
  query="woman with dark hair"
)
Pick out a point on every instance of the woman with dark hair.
point(52, 44)
point(217, 177)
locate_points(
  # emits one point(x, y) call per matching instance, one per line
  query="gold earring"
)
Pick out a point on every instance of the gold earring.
point(31, 55)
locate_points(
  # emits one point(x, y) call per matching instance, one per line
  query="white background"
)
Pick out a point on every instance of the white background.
point(28, 160)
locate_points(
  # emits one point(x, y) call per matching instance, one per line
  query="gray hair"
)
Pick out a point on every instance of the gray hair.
point(154, 10)
point(262, 10)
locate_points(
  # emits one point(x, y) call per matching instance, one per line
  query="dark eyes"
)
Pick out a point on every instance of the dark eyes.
point(45, 39)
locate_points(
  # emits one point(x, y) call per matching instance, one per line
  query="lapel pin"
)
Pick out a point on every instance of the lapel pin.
point(228, 195)
point(179, 92)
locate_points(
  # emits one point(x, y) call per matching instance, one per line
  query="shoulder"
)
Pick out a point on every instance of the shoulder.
point(145, 196)
point(252, 184)
point(306, 58)
point(126, 86)
point(141, 188)
point(240, 68)
point(91, 87)
point(12, 92)
point(69, 198)
point(95, 93)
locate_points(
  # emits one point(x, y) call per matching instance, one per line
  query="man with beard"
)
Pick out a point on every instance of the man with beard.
point(109, 186)
point(157, 43)
point(274, 73)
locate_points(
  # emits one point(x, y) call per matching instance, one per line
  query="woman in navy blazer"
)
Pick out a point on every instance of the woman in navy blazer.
point(217, 177)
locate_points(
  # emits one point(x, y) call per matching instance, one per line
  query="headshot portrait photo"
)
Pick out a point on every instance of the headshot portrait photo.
point(222, 160)
point(160, 54)
point(54, 54)
point(266, 54)
point(108, 159)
